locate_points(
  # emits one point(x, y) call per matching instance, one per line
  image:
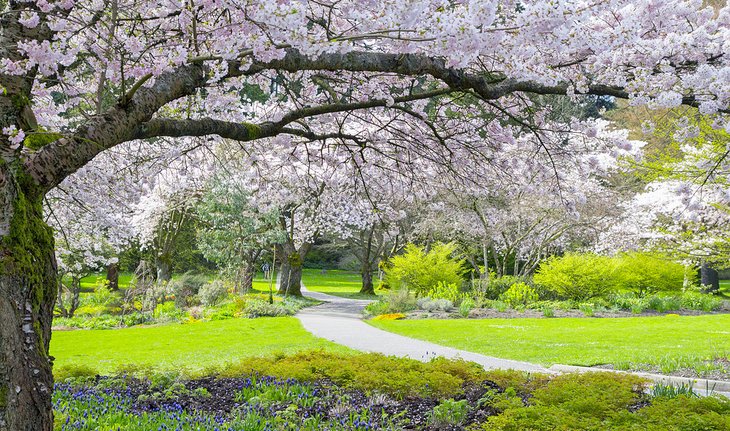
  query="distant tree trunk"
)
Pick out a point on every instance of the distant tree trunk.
point(367, 280)
point(68, 309)
point(290, 270)
point(290, 278)
point(247, 274)
point(164, 268)
point(112, 276)
point(709, 278)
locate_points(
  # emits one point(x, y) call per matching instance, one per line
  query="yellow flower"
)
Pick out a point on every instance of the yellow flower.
point(392, 316)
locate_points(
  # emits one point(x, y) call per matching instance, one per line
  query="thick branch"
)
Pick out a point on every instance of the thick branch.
point(55, 161)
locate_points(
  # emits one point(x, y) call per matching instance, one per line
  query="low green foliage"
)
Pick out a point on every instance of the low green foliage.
point(606, 401)
point(449, 413)
point(493, 287)
point(467, 304)
point(370, 372)
point(519, 294)
point(395, 301)
point(213, 293)
point(448, 291)
point(420, 271)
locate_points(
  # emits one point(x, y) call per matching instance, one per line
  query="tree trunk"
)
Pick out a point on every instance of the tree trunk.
point(164, 271)
point(367, 280)
point(290, 278)
point(709, 278)
point(28, 288)
point(112, 276)
point(247, 274)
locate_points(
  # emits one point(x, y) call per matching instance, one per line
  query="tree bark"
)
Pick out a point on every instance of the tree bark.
point(367, 281)
point(247, 274)
point(290, 270)
point(164, 272)
point(709, 278)
point(28, 288)
point(290, 278)
point(112, 276)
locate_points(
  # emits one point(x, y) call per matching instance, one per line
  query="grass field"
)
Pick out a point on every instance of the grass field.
point(668, 342)
point(193, 346)
point(335, 282)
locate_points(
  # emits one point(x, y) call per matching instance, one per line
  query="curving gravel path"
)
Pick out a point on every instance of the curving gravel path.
point(340, 320)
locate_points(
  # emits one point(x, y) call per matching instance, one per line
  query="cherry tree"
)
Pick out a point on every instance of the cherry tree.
point(79, 77)
point(527, 203)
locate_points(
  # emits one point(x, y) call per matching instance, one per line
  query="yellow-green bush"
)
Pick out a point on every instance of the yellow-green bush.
point(419, 270)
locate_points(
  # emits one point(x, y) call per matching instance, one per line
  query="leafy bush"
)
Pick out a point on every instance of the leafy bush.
point(519, 294)
point(185, 287)
point(449, 413)
point(700, 301)
point(446, 291)
point(577, 276)
point(371, 372)
point(467, 304)
point(213, 293)
point(398, 301)
point(644, 273)
point(493, 287)
point(420, 271)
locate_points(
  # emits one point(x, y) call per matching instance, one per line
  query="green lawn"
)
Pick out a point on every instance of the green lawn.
point(193, 346)
point(89, 282)
point(669, 342)
point(335, 282)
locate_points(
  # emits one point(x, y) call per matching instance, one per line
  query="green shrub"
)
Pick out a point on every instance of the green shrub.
point(449, 413)
point(519, 294)
point(494, 287)
point(433, 305)
point(213, 293)
point(467, 304)
point(371, 372)
point(700, 301)
point(420, 271)
point(548, 311)
point(448, 291)
point(577, 276)
point(396, 301)
point(645, 273)
point(185, 287)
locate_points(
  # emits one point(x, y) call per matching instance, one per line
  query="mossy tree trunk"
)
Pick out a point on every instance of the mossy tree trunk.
point(28, 287)
point(290, 270)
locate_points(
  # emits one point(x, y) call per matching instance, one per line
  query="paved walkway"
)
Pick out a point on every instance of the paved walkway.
point(340, 320)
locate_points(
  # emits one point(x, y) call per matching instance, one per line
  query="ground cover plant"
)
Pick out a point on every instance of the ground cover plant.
point(185, 298)
point(318, 390)
point(692, 345)
point(195, 345)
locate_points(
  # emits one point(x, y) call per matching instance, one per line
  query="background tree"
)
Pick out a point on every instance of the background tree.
point(233, 233)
